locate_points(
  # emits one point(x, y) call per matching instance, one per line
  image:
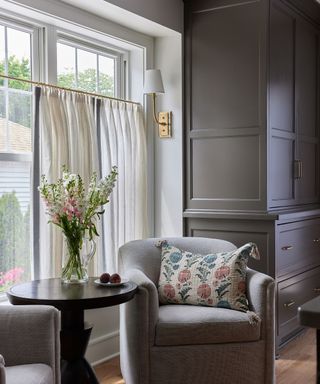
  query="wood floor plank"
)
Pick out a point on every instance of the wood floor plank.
point(296, 365)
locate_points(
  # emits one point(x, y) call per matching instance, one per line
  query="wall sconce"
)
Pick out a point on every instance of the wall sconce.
point(152, 85)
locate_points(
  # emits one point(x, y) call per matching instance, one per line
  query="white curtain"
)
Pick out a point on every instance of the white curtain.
point(67, 137)
point(87, 135)
point(123, 143)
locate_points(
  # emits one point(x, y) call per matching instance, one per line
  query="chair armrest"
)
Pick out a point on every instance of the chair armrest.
point(31, 334)
point(138, 319)
point(2, 371)
point(260, 292)
point(261, 296)
point(145, 302)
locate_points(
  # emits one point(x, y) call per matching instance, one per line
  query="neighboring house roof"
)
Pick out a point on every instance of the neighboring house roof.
point(19, 136)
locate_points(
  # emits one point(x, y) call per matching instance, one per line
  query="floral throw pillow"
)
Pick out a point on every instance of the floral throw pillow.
point(217, 279)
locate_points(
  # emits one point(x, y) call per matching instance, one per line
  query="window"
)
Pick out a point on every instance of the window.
point(16, 45)
point(88, 68)
point(81, 64)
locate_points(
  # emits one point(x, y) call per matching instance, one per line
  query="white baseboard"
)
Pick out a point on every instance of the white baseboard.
point(103, 348)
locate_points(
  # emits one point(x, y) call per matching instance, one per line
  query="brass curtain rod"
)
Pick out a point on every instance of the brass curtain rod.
point(37, 83)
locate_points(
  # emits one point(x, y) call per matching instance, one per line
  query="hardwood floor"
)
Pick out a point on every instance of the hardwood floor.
point(296, 365)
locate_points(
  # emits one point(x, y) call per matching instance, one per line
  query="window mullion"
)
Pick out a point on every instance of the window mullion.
point(6, 86)
point(76, 67)
point(98, 75)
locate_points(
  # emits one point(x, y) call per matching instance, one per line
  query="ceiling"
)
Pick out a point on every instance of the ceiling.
point(121, 16)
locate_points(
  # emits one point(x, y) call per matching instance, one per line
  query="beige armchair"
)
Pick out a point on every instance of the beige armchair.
point(29, 344)
point(175, 344)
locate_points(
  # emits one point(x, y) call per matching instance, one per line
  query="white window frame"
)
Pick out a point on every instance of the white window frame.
point(36, 63)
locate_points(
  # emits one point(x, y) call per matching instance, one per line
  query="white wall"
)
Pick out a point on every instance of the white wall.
point(168, 151)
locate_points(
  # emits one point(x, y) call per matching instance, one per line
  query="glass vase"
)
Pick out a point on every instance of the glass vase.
point(78, 252)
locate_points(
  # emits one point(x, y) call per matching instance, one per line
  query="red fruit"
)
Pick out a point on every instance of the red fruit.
point(105, 278)
point(115, 278)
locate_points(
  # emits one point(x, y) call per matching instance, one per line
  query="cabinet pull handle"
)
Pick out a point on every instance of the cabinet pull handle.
point(297, 169)
point(316, 240)
point(316, 290)
point(300, 169)
point(287, 247)
point(289, 304)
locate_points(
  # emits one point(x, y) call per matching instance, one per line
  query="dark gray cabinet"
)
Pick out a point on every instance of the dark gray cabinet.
point(293, 98)
point(251, 159)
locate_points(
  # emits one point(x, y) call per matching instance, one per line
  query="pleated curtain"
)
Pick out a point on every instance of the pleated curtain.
point(123, 143)
point(88, 134)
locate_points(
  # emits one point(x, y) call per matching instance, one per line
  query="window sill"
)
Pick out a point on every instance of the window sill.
point(4, 300)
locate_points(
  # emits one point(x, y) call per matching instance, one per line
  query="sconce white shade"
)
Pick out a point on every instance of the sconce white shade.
point(153, 81)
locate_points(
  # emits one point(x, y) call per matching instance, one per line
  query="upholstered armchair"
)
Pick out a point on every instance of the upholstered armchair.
point(175, 344)
point(29, 344)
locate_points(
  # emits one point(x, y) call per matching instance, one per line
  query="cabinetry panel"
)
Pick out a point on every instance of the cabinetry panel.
point(281, 69)
point(306, 78)
point(307, 186)
point(240, 232)
point(298, 246)
point(222, 57)
point(291, 294)
point(237, 179)
point(282, 183)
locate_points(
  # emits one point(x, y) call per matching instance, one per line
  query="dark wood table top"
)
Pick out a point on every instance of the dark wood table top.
point(70, 296)
point(309, 313)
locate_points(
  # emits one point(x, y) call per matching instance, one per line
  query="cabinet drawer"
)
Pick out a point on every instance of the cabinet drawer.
point(298, 246)
point(291, 294)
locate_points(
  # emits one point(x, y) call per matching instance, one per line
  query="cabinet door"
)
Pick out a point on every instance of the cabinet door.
point(281, 106)
point(293, 109)
point(225, 101)
point(306, 110)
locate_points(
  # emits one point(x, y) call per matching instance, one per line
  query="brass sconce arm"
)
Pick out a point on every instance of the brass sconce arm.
point(154, 110)
point(164, 120)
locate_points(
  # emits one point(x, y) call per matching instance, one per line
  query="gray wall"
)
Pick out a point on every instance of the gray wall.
point(165, 12)
point(168, 152)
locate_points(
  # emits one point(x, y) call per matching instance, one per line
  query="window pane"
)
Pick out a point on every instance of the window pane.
point(87, 71)
point(14, 223)
point(19, 49)
point(106, 75)
point(3, 122)
point(66, 56)
point(19, 123)
point(2, 104)
point(2, 54)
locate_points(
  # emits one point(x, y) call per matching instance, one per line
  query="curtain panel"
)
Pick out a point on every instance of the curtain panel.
point(88, 134)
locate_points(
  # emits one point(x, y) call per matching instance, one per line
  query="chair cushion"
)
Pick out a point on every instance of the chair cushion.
point(29, 374)
point(189, 325)
point(217, 279)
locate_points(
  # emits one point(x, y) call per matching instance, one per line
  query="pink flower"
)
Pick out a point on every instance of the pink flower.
point(12, 275)
point(184, 275)
point(204, 291)
point(169, 291)
point(242, 286)
point(222, 272)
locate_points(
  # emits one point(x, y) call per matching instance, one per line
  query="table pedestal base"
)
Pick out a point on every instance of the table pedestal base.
point(78, 371)
point(74, 367)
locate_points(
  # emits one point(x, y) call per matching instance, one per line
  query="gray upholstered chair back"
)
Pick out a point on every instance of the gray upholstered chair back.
point(145, 256)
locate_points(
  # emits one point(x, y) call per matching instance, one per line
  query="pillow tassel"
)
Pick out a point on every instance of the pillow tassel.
point(161, 243)
point(254, 251)
point(254, 319)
